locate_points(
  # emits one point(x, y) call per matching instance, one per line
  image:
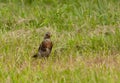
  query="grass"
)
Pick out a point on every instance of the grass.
point(85, 34)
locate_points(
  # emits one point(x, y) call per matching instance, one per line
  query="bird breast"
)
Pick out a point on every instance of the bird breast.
point(47, 43)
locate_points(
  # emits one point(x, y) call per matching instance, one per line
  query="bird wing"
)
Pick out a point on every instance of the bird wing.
point(46, 44)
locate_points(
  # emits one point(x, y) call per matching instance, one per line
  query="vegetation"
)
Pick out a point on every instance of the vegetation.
point(85, 33)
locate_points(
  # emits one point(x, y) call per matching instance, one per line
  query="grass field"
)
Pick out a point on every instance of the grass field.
point(85, 33)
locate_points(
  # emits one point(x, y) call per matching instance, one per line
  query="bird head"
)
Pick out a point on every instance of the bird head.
point(47, 35)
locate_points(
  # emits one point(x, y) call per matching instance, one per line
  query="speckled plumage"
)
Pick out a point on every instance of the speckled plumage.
point(45, 47)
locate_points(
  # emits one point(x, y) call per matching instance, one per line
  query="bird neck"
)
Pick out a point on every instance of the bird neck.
point(46, 37)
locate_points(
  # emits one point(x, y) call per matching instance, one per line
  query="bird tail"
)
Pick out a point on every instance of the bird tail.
point(35, 56)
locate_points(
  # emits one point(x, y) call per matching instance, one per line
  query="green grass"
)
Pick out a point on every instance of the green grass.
point(85, 33)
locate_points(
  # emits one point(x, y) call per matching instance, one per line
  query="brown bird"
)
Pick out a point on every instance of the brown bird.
point(45, 47)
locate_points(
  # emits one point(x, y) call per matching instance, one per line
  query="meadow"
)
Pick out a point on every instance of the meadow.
point(85, 34)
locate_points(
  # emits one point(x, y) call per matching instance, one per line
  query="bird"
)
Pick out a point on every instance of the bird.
point(45, 47)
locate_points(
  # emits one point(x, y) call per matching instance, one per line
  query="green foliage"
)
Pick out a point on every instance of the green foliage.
point(85, 34)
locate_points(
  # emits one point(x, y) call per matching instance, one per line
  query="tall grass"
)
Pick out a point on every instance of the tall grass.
point(85, 34)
